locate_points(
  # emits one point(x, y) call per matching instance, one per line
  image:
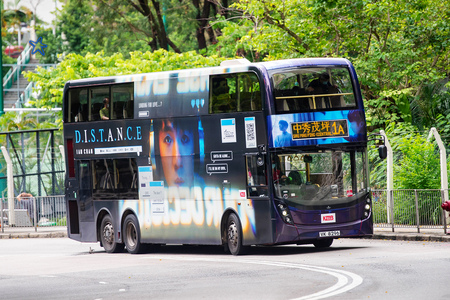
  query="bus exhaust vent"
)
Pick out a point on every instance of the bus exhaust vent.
point(235, 62)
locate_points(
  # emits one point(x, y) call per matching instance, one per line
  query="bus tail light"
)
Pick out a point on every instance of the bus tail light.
point(70, 158)
point(284, 212)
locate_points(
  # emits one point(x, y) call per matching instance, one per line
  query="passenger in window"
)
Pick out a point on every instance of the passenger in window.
point(104, 112)
point(322, 85)
point(277, 174)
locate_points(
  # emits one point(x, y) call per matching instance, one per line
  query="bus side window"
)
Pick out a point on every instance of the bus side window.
point(96, 99)
point(122, 101)
point(78, 104)
point(249, 98)
point(223, 96)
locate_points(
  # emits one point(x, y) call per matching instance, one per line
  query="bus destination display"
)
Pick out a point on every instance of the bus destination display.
point(319, 129)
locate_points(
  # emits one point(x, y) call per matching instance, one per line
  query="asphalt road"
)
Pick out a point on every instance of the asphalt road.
point(60, 268)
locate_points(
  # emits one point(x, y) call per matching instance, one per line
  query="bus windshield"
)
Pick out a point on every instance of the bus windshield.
point(312, 89)
point(320, 178)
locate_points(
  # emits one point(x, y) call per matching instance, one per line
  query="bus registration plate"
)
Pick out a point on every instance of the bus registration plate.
point(329, 233)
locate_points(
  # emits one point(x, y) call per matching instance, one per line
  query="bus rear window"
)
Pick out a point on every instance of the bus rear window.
point(313, 89)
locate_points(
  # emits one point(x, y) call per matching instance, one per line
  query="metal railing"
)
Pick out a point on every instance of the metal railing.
point(410, 208)
point(34, 212)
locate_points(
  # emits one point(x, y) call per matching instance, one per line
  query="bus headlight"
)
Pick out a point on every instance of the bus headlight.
point(367, 208)
point(284, 212)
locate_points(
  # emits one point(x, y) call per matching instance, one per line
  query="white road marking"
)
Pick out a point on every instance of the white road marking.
point(346, 280)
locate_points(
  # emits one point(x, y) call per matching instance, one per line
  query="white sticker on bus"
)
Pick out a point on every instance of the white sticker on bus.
point(115, 150)
point(228, 127)
point(328, 218)
point(250, 132)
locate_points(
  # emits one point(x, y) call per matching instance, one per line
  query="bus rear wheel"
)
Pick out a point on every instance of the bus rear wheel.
point(132, 235)
point(107, 236)
point(323, 243)
point(234, 235)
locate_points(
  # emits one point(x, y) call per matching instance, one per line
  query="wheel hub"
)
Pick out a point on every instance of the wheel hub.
point(108, 233)
point(232, 234)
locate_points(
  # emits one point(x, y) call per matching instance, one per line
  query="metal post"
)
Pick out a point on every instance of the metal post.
point(38, 158)
point(10, 185)
point(23, 163)
point(391, 209)
point(52, 154)
point(417, 211)
point(444, 221)
point(61, 149)
point(1, 214)
point(35, 214)
point(443, 163)
point(390, 179)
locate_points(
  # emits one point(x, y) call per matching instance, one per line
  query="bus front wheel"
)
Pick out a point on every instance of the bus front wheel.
point(107, 236)
point(132, 235)
point(234, 235)
point(323, 243)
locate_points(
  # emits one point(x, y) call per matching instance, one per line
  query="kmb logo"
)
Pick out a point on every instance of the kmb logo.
point(328, 218)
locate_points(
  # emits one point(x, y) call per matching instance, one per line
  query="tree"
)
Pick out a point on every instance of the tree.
point(125, 26)
point(74, 22)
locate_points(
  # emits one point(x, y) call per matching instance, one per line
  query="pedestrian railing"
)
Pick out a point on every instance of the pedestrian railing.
point(409, 208)
point(34, 212)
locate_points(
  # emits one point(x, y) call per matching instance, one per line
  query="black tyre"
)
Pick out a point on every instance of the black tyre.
point(234, 235)
point(132, 235)
point(323, 243)
point(107, 236)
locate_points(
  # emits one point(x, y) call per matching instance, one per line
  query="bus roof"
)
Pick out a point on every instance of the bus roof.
point(228, 68)
point(305, 62)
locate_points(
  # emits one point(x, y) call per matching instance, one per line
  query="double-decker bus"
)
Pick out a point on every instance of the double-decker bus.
point(242, 154)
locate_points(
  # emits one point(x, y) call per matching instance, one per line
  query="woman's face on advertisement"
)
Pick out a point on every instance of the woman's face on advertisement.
point(176, 145)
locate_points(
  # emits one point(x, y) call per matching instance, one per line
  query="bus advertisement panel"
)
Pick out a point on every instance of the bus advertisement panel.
point(189, 172)
point(317, 128)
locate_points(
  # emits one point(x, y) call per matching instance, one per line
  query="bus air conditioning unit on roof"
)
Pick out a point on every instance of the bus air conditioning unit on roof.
point(235, 62)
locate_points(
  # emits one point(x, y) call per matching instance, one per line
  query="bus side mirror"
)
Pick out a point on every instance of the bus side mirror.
point(382, 151)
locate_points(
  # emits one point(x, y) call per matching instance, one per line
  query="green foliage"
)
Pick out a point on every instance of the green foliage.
point(54, 45)
point(416, 159)
point(418, 167)
point(75, 21)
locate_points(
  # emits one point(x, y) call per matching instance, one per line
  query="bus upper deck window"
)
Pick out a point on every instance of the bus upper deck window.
point(123, 101)
point(309, 89)
point(77, 105)
point(235, 92)
point(97, 101)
